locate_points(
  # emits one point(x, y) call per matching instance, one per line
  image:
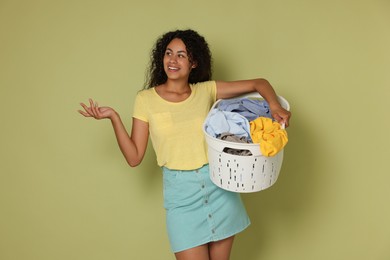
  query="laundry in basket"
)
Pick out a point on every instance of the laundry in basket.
point(248, 171)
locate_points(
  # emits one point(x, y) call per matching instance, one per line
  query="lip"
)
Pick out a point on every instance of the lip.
point(172, 68)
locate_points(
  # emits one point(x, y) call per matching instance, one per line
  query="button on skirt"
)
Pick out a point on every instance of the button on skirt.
point(199, 212)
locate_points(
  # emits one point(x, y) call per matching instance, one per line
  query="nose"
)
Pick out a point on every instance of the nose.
point(172, 58)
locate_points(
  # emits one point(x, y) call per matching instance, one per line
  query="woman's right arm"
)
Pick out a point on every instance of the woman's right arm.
point(132, 146)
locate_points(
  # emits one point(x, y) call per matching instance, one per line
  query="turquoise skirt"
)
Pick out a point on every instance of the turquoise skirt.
point(199, 212)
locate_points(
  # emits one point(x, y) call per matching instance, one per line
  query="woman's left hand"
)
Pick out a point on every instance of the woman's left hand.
point(281, 115)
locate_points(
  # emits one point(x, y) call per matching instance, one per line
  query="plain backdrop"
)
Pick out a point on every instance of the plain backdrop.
point(67, 193)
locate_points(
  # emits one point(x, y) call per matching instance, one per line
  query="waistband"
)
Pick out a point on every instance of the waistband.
point(204, 168)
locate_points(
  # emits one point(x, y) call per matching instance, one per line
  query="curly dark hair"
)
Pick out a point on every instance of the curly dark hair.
point(198, 52)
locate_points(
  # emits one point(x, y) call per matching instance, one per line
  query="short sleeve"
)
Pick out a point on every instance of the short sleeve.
point(213, 90)
point(139, 110)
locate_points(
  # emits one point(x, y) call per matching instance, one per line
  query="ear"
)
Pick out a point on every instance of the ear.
point(194, 65)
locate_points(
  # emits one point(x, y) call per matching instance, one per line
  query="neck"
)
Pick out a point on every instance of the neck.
point(177, 85)
point(174, 91)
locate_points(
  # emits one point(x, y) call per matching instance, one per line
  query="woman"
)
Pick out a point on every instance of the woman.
point(202, 219)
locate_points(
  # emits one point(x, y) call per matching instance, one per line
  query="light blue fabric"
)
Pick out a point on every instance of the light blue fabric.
point(219, 122)
point(249, 108)
point(199, 212)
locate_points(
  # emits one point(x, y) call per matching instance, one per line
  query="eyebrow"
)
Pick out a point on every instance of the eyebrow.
point(168, 49)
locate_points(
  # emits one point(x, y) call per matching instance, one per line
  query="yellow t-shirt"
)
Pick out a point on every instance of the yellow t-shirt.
point(176, 128)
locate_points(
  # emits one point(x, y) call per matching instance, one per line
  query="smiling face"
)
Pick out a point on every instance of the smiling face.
point(177, 64)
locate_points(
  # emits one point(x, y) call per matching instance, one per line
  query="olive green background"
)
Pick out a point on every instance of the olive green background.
point(67, 193)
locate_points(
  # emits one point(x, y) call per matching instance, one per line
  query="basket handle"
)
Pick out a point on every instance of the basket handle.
point(234, 151)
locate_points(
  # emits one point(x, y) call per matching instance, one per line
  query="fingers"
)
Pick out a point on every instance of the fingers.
point(286, 118)
point(87, 113)
point(286, 122)
point(278, 118)
point(93, 108)
point(91, 111)
point(282, 117)
point(84, 113)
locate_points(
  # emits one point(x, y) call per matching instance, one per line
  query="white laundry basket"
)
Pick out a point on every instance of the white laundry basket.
point(241, 173)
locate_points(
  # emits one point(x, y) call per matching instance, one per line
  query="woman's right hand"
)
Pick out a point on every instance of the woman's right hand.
point(132, 146)
point(93, 110)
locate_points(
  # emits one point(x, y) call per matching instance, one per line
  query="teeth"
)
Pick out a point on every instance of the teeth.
point(172, 68)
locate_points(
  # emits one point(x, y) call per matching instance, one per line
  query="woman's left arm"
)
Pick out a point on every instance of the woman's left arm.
point(230, 89)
